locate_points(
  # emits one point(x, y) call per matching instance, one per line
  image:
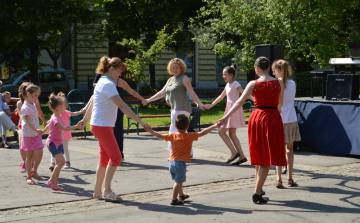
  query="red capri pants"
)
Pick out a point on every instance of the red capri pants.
point(109, 149)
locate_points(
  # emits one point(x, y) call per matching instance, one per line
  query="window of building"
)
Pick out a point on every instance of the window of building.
point(187, 54)
point(222, 62)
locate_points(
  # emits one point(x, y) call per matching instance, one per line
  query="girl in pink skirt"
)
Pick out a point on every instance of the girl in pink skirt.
point(31, 141)
point(232, 91)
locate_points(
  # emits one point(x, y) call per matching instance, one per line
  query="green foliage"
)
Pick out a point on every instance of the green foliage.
point(310, 30)
point(30, 26)
point(303, 85)
point(144, 57)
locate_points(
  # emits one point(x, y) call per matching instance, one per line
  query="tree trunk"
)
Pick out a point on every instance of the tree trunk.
point(293, 65)
point(34, 55)
point(53, 57)
point(152, 75)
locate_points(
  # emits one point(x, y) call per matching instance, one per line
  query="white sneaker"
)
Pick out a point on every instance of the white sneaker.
point(22, 168)
point(67, 165)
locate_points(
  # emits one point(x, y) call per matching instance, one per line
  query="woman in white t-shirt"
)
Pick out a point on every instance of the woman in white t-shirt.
point(103, 108)
point(291, 128)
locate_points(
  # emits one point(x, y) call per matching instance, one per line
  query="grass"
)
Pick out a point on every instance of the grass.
point(208, 116)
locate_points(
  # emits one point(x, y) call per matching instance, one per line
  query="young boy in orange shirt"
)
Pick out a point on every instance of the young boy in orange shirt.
point(181, 143)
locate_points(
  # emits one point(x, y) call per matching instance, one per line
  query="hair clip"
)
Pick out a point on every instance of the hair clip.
point(108, 59)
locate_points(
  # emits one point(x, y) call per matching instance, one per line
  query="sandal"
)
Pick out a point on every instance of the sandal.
point(54, 187)
point(292, 183)
point(112, 197)
point(30, 181)
point(176, 202)
point(279, 184)
point(36, 176)
point(183, 197)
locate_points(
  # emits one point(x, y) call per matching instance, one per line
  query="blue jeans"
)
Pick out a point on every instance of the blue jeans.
point(178, 171)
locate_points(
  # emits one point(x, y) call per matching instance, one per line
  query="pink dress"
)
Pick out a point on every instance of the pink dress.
point(55, 133)
point(65, 117)
point(237, 119)
point(31, 140)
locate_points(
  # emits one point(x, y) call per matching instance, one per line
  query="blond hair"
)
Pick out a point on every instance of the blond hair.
point(285, 72)
point(178, 61)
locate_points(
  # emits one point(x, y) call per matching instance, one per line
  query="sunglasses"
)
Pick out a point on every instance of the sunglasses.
point(174, 60)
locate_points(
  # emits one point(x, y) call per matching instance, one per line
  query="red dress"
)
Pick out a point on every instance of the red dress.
point(265, 127)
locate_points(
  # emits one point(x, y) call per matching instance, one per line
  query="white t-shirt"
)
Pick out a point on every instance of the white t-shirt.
point(5, 106)
point(288, 113)
point(104, 110)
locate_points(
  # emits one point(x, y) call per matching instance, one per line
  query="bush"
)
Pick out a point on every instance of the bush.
point(303, 85)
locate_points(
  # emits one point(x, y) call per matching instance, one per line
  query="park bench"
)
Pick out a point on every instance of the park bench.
point(130, 100)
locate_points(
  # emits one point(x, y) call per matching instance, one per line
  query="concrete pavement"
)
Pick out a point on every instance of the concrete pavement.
point(328, 191)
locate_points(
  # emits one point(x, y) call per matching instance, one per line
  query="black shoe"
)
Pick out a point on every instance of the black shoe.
point(240, 162)
point(262, 192)
point(234, 158)
point(258, 199)
point(284, 171)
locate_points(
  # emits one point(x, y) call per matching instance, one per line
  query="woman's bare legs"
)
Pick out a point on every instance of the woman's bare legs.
point(262, 173)
point(290, 158)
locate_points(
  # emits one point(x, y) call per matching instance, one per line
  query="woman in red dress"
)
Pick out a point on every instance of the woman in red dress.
point(266, 146)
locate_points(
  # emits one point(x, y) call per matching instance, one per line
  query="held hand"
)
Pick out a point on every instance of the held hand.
point(144, 102)
point(208, 106)
point(145, 125)
point(39, 131)
point(83, 111)
point(147, 101)
point(202, 106)
point(221, 122)
point(81, 124)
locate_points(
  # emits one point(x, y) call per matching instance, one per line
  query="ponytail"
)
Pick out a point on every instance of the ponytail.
point(22, 91)
point(285, 72)
point(106, 63)
point(231, 69)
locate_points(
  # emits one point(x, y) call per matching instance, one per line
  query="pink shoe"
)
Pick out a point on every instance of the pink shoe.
point(22, 168)
point(54, 187)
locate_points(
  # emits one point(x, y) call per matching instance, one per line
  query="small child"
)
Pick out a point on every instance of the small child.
point(5, 121)
point(31, 141)
point(181, 144)
point(54, 141)
point(67, 134)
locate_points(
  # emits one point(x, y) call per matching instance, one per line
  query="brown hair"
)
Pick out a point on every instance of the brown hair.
point(31, 88)
point(62, 95)
point(181, 122)
point(22, 94)
point(283, 66)
point(6, 93)
point(178, 61)
point(106, 63)
point(231, 69)
point(55, 101)
point(262, 62)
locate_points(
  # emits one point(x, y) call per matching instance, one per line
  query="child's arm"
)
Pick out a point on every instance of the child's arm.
point(218, 99)
point(28, 121)
point(156, 134)
point(46, 128)
point(207, 130)
point(7, 111)
point(63, 127)
point(76, 113)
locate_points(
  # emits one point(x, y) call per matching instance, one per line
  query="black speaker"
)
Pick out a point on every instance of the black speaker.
point(342, 87)
point(272, 52)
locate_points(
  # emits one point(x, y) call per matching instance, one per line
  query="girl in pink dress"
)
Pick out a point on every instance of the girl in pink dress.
point(232, 91)
point(31, 141)
point(54, 141)
point(67, 134)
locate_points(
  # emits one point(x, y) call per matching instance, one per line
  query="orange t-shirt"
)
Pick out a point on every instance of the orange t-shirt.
point(181, 144)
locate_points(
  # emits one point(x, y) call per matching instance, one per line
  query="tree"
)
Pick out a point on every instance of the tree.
point(38, 25)
point(137, 19)
point(310, 30)
point(145, 57)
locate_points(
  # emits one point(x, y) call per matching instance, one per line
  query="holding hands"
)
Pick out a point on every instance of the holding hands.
point(81, 124)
